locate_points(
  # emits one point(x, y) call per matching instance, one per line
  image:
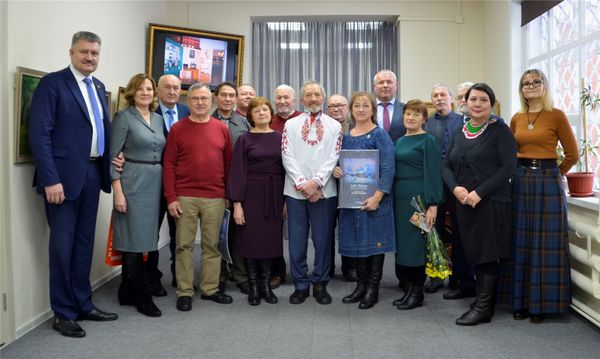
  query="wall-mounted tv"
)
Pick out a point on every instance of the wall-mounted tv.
point(194, 55)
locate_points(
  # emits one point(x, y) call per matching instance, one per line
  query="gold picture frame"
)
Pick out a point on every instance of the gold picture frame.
point(26, 81)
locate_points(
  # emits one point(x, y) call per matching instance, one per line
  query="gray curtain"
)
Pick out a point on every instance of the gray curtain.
point(343, 56)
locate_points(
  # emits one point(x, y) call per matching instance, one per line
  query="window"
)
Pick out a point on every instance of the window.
point(565, 44)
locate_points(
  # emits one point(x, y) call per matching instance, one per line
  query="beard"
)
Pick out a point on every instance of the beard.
point(314, 108)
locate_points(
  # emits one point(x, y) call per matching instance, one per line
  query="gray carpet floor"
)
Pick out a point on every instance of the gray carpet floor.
point(308, 330)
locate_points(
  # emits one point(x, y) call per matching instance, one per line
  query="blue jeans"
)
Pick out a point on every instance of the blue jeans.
point(320, 218)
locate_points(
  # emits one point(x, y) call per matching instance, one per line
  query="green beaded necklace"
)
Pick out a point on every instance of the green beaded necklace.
point(471, 131)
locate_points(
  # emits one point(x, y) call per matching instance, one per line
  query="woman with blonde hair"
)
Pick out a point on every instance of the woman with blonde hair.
point(540, 268)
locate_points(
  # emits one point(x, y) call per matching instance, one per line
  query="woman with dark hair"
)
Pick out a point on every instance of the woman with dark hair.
point(418, 173)
point(137, 132)
point(365, 234)
point(541, 271)
point(477, 169)
point(255, 186)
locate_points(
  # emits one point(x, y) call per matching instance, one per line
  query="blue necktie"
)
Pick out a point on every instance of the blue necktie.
point(97, 118)
point(171, 118)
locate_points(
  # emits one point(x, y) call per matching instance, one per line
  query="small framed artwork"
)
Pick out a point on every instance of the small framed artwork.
point(108, 96)
point(121, 101)
point(26, 81)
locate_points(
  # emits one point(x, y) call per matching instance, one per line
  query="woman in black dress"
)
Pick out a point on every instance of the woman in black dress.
point(477, 168)
point(255, 186)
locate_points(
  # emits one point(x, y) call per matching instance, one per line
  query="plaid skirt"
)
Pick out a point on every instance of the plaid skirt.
point(538, 277)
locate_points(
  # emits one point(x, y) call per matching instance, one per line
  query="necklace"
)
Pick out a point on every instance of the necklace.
point(471, 131)
point(530, 124)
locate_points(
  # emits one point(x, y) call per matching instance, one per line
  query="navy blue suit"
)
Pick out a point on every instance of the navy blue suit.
point(397, 128)
point(60, 135)
point(154, 273)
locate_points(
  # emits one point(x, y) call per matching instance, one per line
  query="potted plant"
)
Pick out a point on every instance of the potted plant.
point(581, 182)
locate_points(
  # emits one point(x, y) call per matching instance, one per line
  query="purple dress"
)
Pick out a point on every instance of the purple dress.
point(256, 180)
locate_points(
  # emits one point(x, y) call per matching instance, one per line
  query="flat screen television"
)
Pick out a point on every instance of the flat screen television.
point(194, 55)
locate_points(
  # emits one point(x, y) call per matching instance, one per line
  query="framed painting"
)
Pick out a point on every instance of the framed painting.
point(26, 81)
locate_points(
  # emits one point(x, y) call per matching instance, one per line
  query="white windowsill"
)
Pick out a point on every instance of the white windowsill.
point(591, 203)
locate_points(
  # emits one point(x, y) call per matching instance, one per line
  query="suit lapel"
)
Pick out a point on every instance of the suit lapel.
point(74, 87)
point(134, 112)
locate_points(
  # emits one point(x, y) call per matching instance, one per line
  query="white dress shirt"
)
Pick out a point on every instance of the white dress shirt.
point(83, 88)
point(390, 107)
point(310, 152)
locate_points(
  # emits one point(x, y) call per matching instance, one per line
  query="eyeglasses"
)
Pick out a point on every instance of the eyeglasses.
point(532, 84)
point(336, 106)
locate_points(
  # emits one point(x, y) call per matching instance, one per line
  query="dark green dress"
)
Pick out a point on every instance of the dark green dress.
point(418, 172)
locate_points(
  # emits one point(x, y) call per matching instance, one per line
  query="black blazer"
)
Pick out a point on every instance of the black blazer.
point(493, 161)
point(397, 129)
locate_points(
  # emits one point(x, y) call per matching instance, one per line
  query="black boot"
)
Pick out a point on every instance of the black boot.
point(362, 271)
point(414, 298)
point(126, 292)
point(375, 272)
point(252, 273)
point(483, 309)
point(407, 289)
point(265, 282)
point(139, 278)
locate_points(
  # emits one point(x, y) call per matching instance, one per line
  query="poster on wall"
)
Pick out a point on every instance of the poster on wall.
point(26, 81)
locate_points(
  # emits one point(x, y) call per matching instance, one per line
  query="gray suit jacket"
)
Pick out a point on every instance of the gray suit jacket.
point(238, 124)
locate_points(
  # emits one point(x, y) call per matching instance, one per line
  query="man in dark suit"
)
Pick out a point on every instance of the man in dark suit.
point(225, 97)
point(390, 111)
point(169, 90)
point(68, 133)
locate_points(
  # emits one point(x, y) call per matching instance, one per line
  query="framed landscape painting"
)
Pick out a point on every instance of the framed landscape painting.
point(26, 82)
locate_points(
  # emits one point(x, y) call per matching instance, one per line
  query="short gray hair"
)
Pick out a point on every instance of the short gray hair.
point(311, 82)
point(197, 86)
point(466, 84)
point(87, 36)
point(286, 87)
point(385, 71)
point(444, 86)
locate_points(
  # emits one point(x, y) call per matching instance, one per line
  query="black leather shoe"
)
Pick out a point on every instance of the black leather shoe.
point(520, 314)
point(218, 297)
point(320, 294)
point(460, 293)
point(68, 328)
point(350, 275)
point(184, 304)
point(156, 289)
point(299, 296)
point(98, 315)
point(244, 287)
point(433, 285)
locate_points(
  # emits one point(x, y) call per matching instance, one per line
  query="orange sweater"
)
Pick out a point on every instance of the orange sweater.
point(540, 142)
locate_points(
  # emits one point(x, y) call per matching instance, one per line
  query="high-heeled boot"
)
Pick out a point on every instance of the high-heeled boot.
point(362, 273)
point(252, 273)
point(414, 299)
point(139, 278)
point(265, 282)
point(375, 273)
point(407, 289)
point(483, 309)
point(126, 291)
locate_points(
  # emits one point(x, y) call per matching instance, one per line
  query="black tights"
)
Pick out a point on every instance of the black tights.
point(415, 275)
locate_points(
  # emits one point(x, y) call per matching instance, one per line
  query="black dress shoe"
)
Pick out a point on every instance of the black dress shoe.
point(222, 286)
point(433, 285)
point(520, 314)
point(320, 294)
point(156, 289)
point(299, 296)
point(350, 275)
point(218, 297)
point(244, 287)
point(184, 304)
point(98, 315)
point(460, 293)
point(68, 328)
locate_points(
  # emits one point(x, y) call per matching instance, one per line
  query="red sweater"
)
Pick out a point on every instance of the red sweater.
point(197, 158)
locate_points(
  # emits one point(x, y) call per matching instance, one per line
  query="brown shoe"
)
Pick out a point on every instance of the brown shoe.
point(275, 281)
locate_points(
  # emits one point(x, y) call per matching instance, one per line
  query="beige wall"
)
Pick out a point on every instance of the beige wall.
point(441, 41)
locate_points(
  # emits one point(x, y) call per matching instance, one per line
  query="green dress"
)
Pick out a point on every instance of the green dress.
point(418, 172)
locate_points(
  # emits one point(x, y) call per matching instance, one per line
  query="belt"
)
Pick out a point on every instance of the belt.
point(536, 164)
point(142, 161)
point(94, 159)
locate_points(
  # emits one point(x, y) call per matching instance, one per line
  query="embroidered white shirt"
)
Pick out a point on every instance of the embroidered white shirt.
point(310, 151)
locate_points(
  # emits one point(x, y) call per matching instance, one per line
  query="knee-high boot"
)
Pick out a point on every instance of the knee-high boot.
point(362, 272)
point(137, 274)
point(482, 310)
point(375, 273)
point(126, 291)
point(265, 282)
point(252, 273)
